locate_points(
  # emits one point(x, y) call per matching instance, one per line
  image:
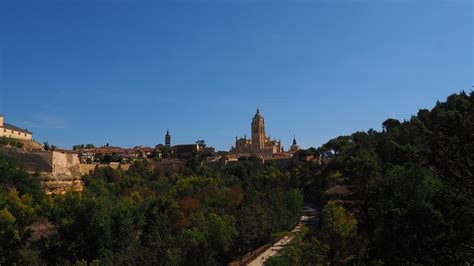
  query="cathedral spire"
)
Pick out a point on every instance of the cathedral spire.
point(167, 138)
point(294, 140)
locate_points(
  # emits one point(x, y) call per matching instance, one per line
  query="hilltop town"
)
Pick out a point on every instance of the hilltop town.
point(61, 169)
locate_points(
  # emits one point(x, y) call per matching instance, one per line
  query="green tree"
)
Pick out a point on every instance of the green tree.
point(338, 232)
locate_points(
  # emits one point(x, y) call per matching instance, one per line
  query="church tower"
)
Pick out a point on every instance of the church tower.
point(295, 146)
point(258, 132)
point(167, 139)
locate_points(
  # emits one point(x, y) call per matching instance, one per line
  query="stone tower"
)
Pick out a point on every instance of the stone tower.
point(258, 132)
point(167, 139)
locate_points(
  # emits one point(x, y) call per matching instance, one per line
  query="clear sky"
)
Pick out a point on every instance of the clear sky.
point(123, 72)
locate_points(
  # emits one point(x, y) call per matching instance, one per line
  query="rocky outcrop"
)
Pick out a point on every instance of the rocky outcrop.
point(60, 184)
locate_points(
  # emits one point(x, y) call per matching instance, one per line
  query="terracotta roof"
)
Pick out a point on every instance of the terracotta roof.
point(12, 127)
point(145, 149)
point(66, 151)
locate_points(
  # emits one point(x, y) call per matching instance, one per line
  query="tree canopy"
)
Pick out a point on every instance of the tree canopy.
point(409, 187)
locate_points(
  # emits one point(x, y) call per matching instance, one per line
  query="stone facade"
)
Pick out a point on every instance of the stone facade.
point(259, 144)
point(11, 131)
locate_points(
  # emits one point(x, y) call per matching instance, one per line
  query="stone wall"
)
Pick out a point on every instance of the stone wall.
point(65, 164)
point(88, 168)
point(58, 172)
point(65, 174)
point(165, 165)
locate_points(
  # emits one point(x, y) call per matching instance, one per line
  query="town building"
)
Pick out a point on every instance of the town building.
point(259, 143)
point(118, 154)
point(11, 131)
point(186, 150)
point(86, 156)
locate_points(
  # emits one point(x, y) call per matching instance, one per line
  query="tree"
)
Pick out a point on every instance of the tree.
point(10, 237)
point(16, 212)
point(406, 226)
point(391, 124)
point(338, 232)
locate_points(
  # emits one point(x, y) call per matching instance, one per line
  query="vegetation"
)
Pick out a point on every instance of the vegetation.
point(410, 189)
point(48, 147)
point(332, 243)
point(401, 196)
point(199, 216)
point(109, 158)
point(83, 146)
point(10, 141)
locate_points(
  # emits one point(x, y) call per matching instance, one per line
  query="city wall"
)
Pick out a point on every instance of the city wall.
point(57, 171)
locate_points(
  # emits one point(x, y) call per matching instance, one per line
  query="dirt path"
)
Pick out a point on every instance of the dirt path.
point(310, 217)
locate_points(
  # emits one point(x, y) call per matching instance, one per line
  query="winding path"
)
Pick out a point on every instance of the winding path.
point(309, 217)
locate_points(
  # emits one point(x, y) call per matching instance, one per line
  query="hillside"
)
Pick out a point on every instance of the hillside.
point(403, 195)
point(409, 189)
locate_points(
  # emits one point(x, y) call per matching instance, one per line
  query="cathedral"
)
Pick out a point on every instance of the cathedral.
point(259, 144)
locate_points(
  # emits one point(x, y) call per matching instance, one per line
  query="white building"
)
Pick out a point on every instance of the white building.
point(11, 131)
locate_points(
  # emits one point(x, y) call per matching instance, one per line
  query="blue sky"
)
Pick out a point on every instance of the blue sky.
point(123, 72)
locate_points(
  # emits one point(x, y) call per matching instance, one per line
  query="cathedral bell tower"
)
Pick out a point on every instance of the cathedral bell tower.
point(258, 132)
point(167, 139)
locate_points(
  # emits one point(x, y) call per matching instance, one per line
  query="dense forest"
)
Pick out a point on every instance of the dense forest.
point(402, 195)
point(196, 217)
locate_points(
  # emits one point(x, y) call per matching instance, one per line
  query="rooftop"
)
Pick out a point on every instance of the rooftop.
point(12, 127)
